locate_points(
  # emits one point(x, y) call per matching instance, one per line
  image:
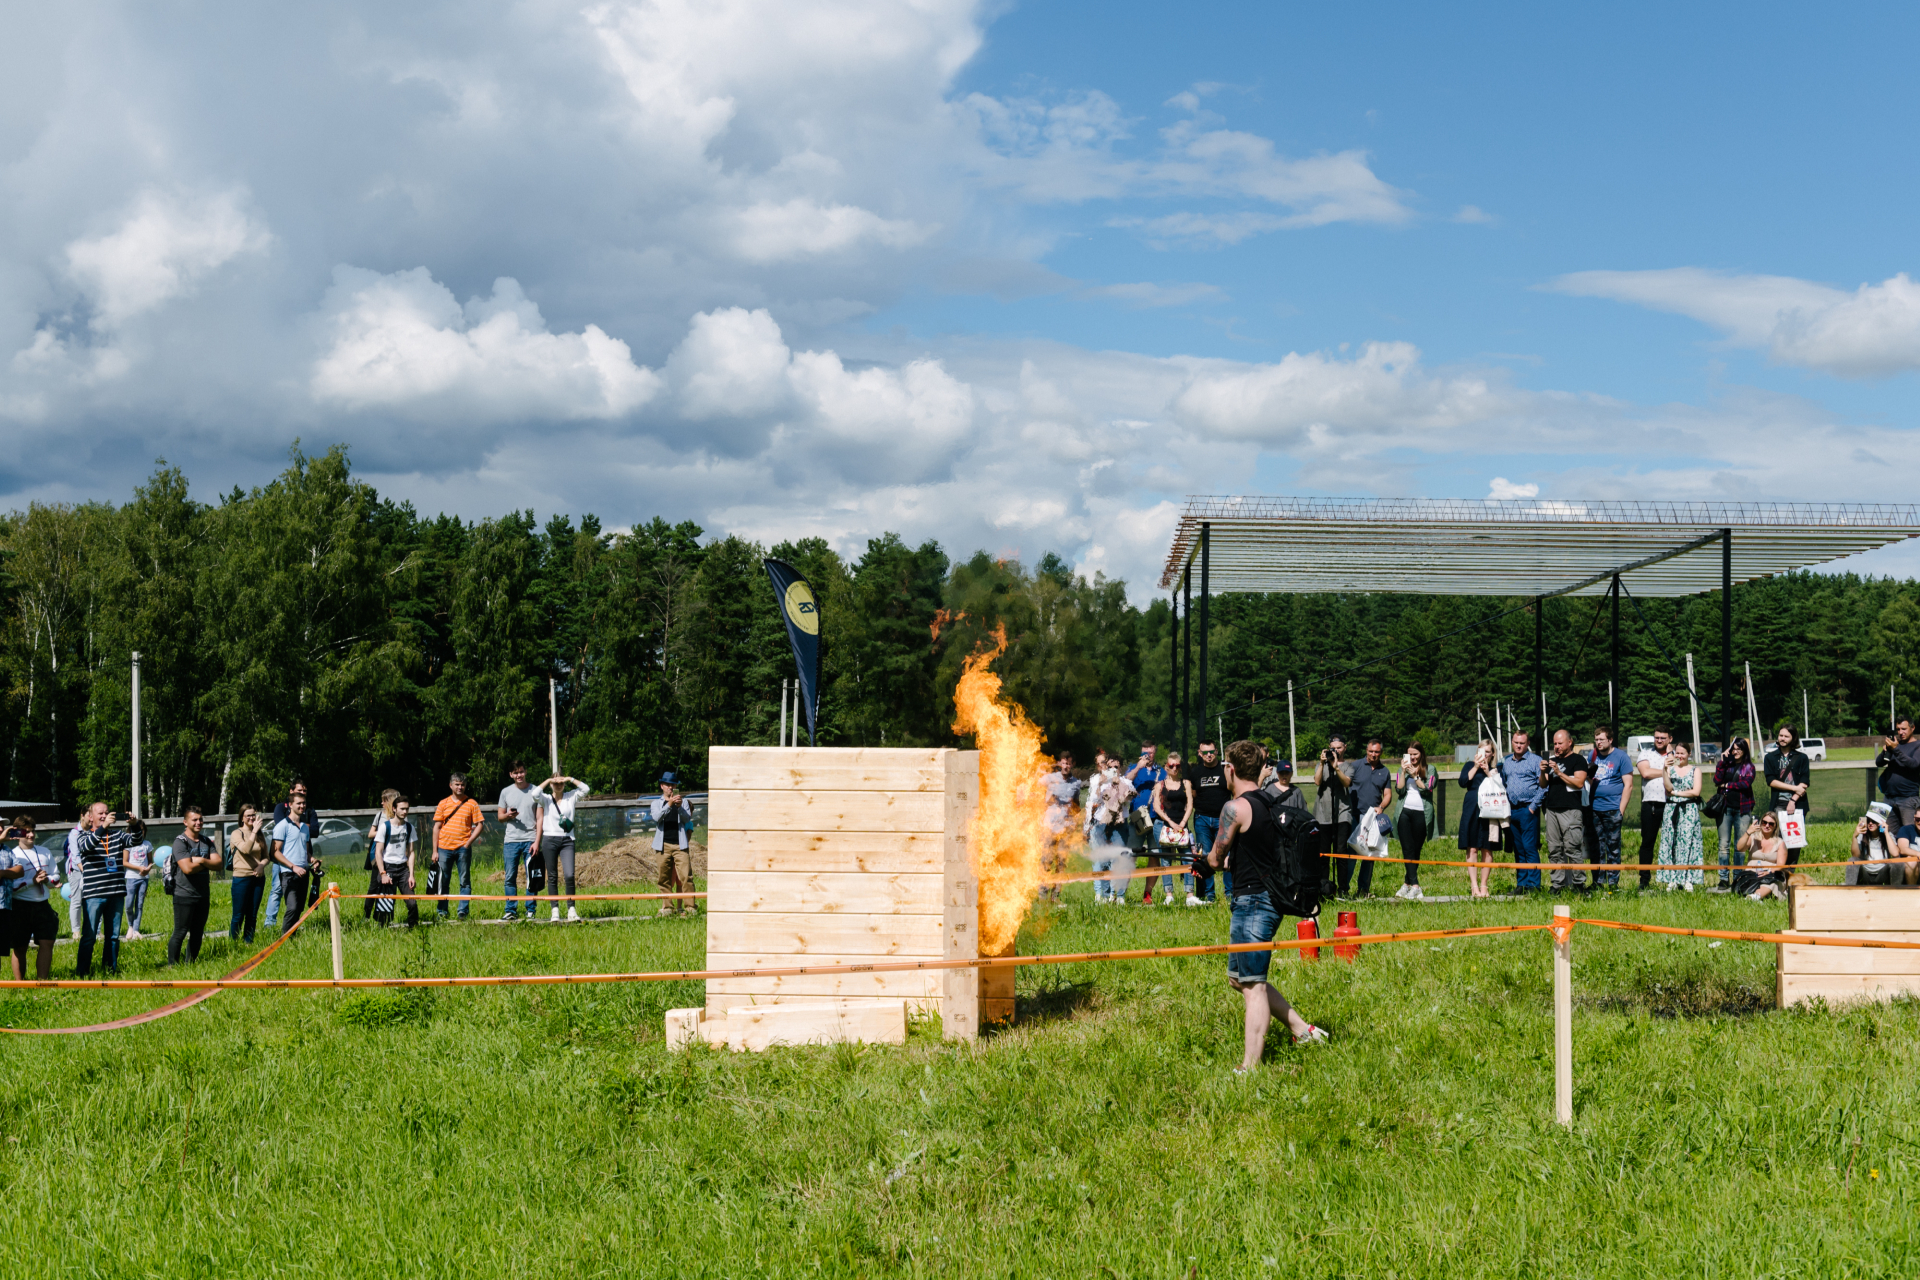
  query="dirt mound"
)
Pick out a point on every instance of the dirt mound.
point(628, 860)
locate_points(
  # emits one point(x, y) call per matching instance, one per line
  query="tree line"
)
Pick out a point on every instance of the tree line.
point(311, 627)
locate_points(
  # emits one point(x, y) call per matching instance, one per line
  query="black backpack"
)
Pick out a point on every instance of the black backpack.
point(1296, 854)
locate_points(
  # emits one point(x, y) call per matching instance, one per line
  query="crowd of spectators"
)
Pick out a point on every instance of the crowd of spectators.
point(1564, 813)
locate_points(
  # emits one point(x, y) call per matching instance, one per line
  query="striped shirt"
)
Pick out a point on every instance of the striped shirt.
point(102, 857)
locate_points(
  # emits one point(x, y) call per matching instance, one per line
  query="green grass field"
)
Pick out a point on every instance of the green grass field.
point(537, 1132)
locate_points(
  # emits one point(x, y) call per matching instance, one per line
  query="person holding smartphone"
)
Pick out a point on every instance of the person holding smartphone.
point(1145, 777)
point(103, 886)
point(34, 921)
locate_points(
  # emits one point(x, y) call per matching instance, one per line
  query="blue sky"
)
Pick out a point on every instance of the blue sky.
point(1016, 277)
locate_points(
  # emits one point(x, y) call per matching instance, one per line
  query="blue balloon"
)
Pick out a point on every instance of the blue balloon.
point(66, 891)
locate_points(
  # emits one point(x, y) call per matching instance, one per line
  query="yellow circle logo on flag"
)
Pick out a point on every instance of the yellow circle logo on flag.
point(802, 610)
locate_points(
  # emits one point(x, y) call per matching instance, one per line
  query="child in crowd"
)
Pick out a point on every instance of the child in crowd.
point(139, 869)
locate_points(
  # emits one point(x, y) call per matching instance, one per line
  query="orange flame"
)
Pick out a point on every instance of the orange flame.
point(1008, 832)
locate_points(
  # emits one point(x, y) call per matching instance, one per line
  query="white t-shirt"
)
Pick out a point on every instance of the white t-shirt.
point(395, 839)
point(1415, 801)
point(35, 859)
point(553, 812)
point(1654, 788)
point(142, 853)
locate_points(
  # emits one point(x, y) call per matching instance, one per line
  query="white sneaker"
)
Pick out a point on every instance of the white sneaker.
point(1194, 902)
point(1688, 887)
point(572, 914)
point(1414, 893)
point(555, 917)
point(1168, 900)
point(1401, 892)
point(1312, 1035)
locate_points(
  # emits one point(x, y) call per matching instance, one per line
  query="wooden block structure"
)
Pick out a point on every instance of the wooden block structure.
point(840, 856)
point(1839, 974)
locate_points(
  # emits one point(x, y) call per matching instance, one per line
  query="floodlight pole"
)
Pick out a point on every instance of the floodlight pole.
point(1726, 638)
point(1206, 540)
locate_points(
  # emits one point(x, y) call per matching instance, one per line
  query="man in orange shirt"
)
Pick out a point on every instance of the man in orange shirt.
point(456, 825)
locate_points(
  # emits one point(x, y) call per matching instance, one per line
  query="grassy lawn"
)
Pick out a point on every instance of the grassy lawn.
point(547, 1132)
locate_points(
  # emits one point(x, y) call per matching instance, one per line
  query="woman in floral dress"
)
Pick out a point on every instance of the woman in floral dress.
point(1680, 827)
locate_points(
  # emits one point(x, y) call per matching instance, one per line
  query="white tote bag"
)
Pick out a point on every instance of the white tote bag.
point(1368, 839)
point(1793, 828)
point(1494, 805)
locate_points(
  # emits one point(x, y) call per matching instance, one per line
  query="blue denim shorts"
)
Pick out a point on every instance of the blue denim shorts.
point(1254, 920)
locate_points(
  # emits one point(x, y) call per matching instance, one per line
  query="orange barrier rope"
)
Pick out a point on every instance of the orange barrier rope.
point(165, 1010)
point(701, 975)
point(1737, 935)
point(1599, 866)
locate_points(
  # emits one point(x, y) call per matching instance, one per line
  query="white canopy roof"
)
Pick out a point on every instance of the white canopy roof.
point(1517, 548)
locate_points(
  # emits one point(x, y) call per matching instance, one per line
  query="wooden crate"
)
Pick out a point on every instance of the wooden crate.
point(838, 856)
point(1839, 974)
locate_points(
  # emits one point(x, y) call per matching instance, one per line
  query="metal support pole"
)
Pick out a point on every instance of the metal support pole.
point(1186, 663)
point(1613, 685)
point(553, 725)
point(1206, 593)
point(1174, 740)
point(1293, 736)
point(1563, 1016)
point(1539, 689)
point(1726, 638)
point(139, 806)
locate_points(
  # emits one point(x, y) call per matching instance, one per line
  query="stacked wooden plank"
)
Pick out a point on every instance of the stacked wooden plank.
point(1837, 974)
point(840, 856)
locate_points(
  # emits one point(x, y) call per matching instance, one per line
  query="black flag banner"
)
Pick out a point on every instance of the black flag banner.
point(802, 614)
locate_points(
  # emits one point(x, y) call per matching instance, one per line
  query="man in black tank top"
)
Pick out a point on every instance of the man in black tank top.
point(1210, 795)
point(1248, 838)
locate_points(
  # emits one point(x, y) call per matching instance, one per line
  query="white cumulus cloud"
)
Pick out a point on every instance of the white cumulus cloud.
point(1872, 331)
point(401, 341)
point(1382, 391)
point(165, 246)
point(800, 228)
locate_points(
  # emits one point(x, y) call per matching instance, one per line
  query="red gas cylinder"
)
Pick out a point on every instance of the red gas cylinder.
point(1349, 927)
point(1308, 929)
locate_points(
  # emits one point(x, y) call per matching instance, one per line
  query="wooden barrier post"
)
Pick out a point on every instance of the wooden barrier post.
point(1563, 1016)
point(333, 918)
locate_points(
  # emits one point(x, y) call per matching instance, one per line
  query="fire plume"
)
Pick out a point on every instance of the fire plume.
point(1008, 832)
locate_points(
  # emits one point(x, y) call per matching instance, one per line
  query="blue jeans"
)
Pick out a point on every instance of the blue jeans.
point(247, 891)
point(1732, 827)
point(100, 917)
point(1526, 844)
point(515, 854)
point(1204, 831)
point(444, 861)
point(1254, 920)
point(1111, 858)
point(136, 902)
point(1606, 828)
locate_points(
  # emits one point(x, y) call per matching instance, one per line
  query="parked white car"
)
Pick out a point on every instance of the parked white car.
point(1816, 748)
